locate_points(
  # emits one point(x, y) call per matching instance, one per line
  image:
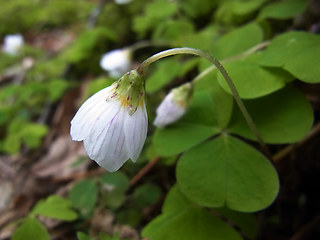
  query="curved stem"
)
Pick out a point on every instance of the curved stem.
point(197, 52)
point(229, 59)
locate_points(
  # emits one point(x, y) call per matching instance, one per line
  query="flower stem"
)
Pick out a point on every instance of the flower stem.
point(236, 57)
point(141, 70)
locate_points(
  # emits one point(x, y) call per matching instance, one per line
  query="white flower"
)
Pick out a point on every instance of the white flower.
point(117, 62)
point(122, 1)
point(12, 44)
point(173, 106)
point(113, 123)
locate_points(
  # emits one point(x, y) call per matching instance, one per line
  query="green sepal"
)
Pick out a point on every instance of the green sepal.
point(130, 91)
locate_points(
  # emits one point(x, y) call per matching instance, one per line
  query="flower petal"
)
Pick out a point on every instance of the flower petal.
point(106, 141)
point(82, 121)
point(135, 129)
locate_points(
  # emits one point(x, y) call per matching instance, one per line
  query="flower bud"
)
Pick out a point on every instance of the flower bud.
point(117, 62)
point(174, 105)
point(12, 44)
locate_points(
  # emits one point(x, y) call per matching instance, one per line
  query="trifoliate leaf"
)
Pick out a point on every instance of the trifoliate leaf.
point(146, 194)
point(115, 185)
point(203, 39)
point(83, 196)
point(282, 117)
point(252, 80)
point(238, 40)
point(155, 12)
point(231, 12)
point(31, 229)
point(115, 181)
point(182, 219)
point(55, 207)
point(283, 9)
point(295, 52)
point(174, 30)
point(195, 8)
point(247, 222)
point(227, 172)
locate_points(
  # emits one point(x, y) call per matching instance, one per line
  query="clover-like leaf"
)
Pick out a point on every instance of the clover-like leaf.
point(252, 80)
point(285, 116)
point(30, 229)
point(55, 207)
point(182, 219)
point(227, 172)
point(295, 52)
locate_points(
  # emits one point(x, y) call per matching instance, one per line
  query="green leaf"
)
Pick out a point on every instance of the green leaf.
point(161, 9)
point(165, 72)
point(173, 30)
point(231, 12)
point(20, 130)
point(195, 8)
point(32, 134)
point(115, 185)
point(223, 102)
point(104, 236)
point(227, 172)
point(117, 180)
point(247, 222)
point(155, 12)
point(130, 216)
point(12, 143)
point(238, 40)
point(202, 39)
point(56, 88)
point(295, 52)
point(83, 196)
point(5, 113)
point(181, 219)
point(283, 10)
point(146, 194)
point(197, 125)
point(55, 207)
point(282, 117)
point(252, 80)
point(85, 43)
point(82, 236)
point(31, 229)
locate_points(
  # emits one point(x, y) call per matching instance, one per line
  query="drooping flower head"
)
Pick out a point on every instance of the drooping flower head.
point(113, 122)
point(174, 105)
point(116, 62)
point(12, 44)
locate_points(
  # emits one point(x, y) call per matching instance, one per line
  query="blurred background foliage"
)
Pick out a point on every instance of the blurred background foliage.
point(274, 43)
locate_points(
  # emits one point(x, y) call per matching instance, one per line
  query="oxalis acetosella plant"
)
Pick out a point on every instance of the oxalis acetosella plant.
point(113, 124)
